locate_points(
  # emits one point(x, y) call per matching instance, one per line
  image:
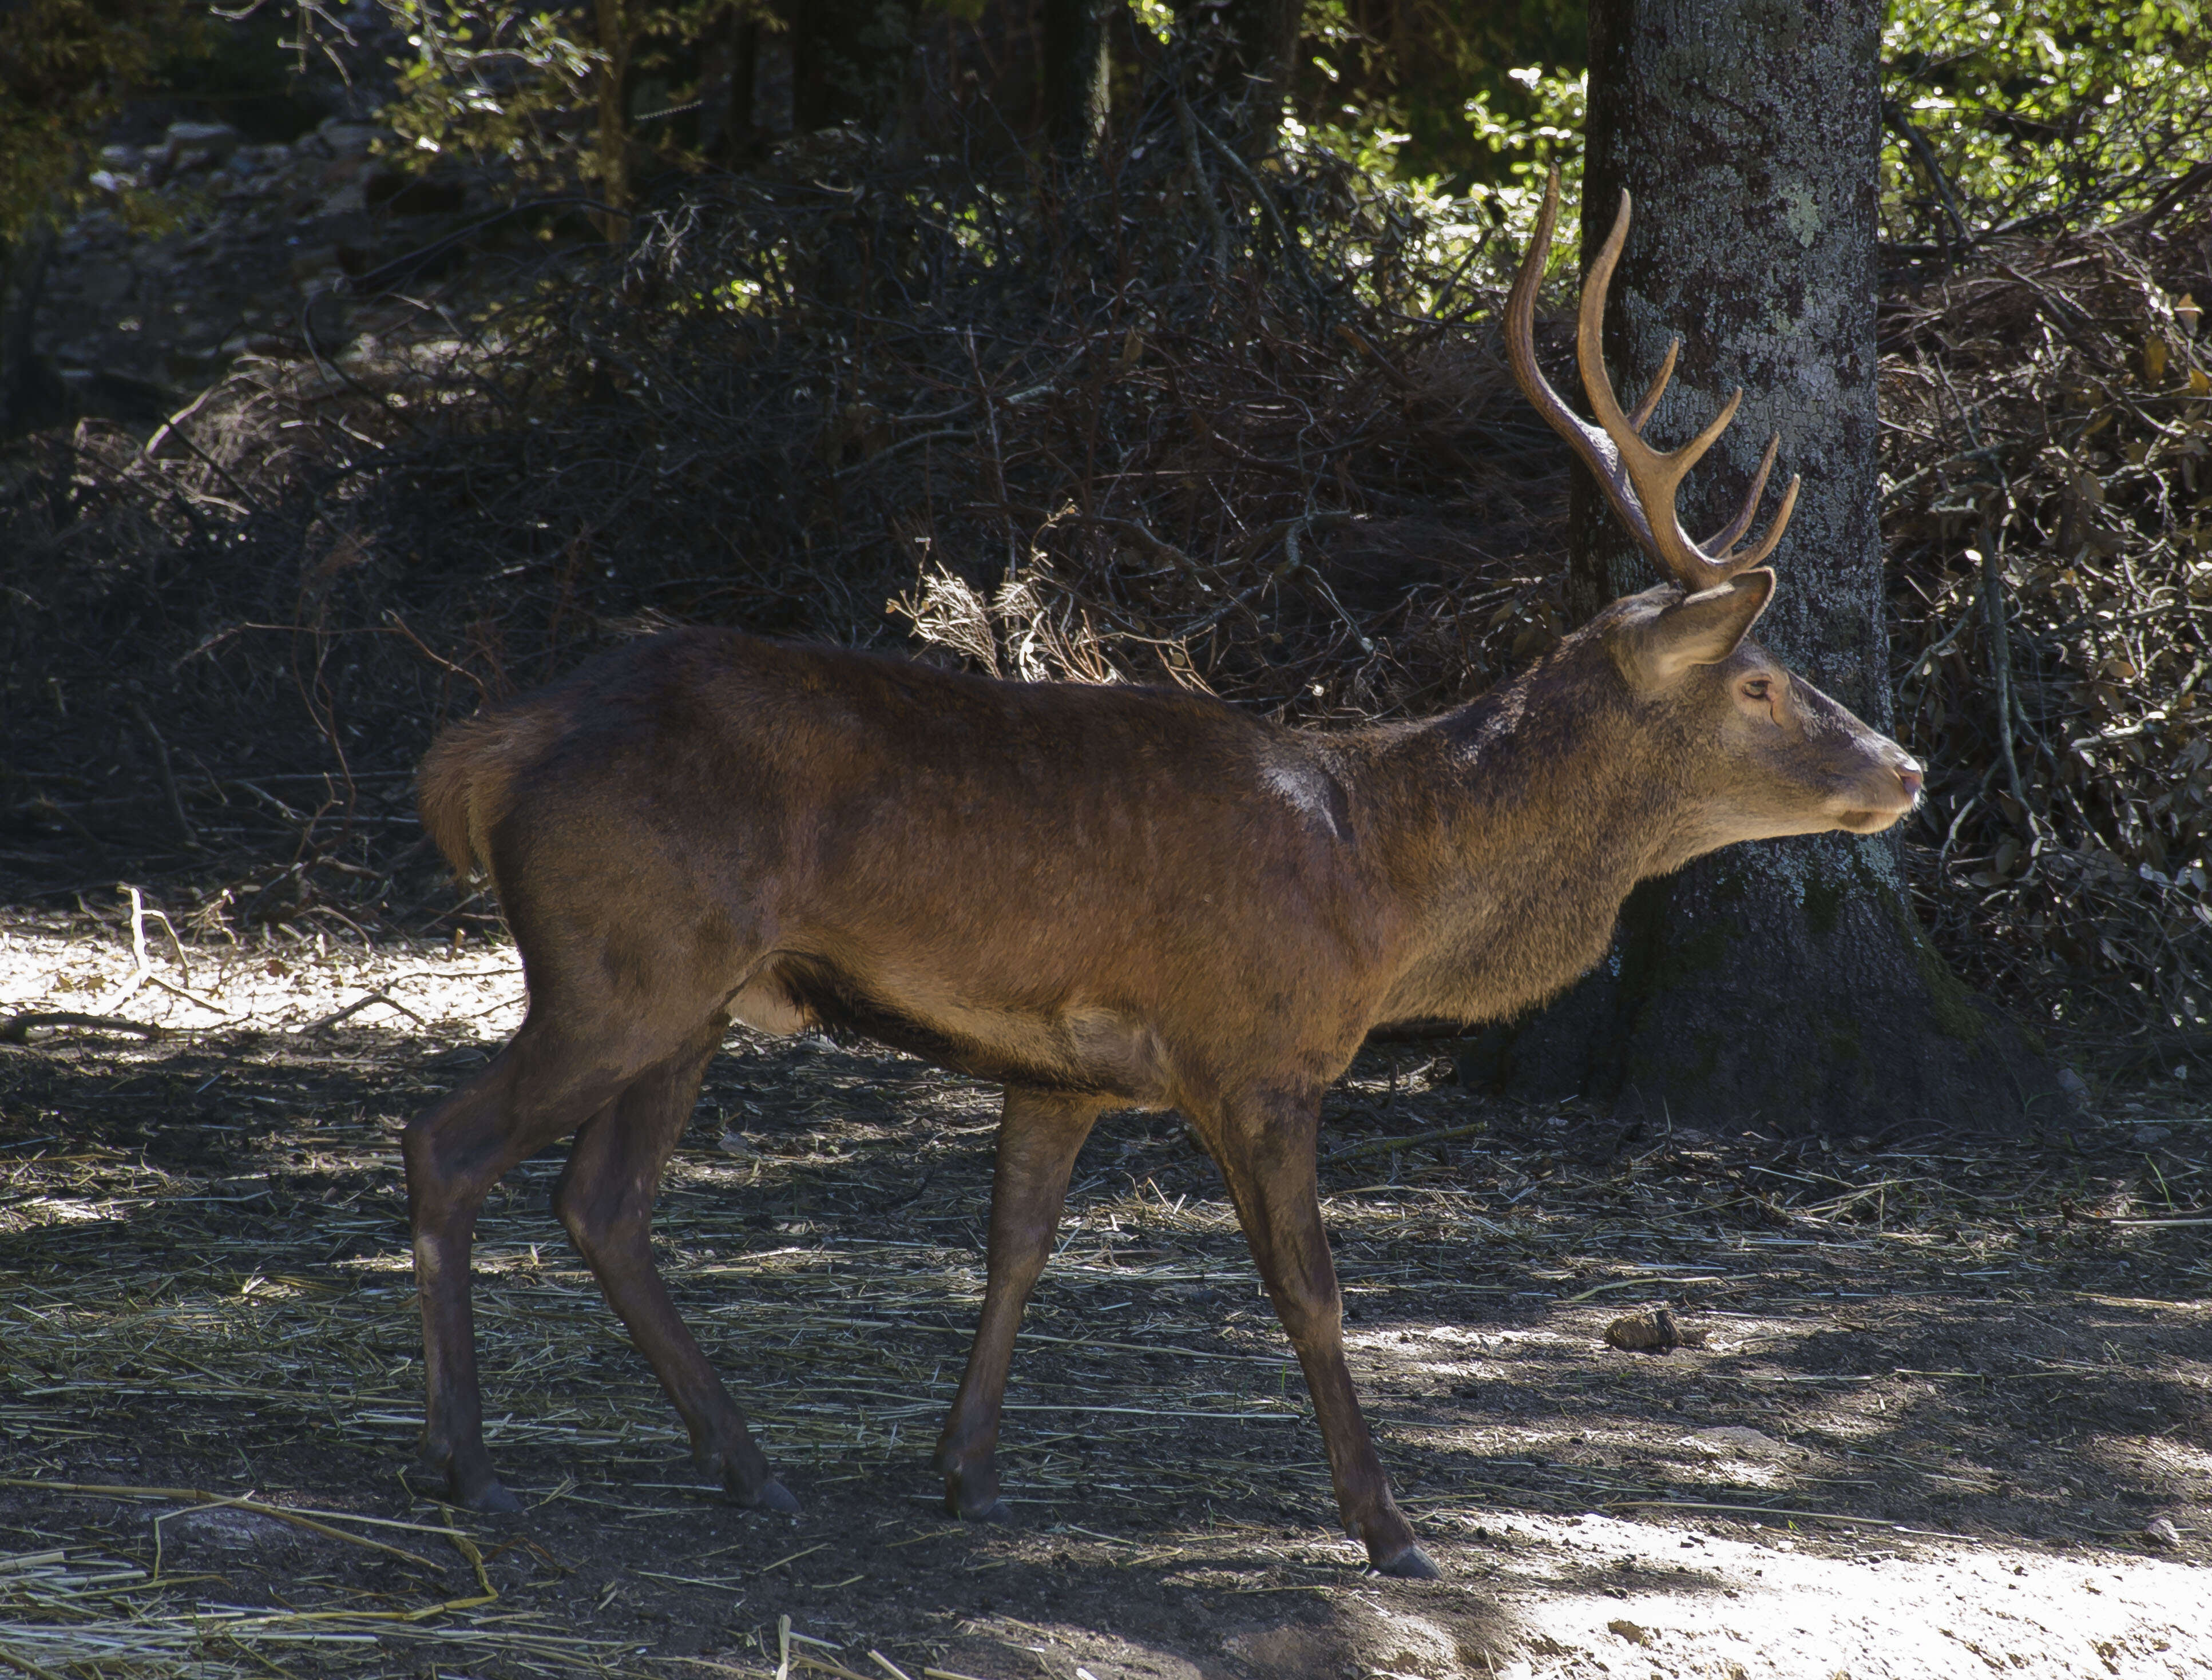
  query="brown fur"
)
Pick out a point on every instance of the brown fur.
point(467, 779)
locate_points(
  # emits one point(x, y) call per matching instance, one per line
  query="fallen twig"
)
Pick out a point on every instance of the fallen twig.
point(2072, 1214)
point(1392, 1145)
point(360, 1004)
point(18, 1029)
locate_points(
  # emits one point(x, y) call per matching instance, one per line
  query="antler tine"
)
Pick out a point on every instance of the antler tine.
point(1765, 546)
point(1640, 482)
point(1596, 450)
point(1727, 537)
point(1656, 390)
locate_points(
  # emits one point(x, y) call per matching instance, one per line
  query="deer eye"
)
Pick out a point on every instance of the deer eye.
point(1758, 688)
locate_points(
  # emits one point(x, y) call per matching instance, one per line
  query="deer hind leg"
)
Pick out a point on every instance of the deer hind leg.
point(540, 1087)
point(1266, 1147)
point(1039, 1137)
point(605, 1199)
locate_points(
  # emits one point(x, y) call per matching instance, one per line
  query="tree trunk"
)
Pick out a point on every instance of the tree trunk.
point(614, 120)
point(1075, 76)
point(1785, 982)
point(725, 59)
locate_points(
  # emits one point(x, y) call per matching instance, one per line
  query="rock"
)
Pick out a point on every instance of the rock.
point(348, 140)
point(1629, 1631)
point(1652, 1332)
point(190, 146)
point(236, 1530)
point(2151, 1134)
point(2160, 1532)
point(122, 157)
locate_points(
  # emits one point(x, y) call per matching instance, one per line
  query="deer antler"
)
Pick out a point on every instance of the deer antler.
point(1639, 480)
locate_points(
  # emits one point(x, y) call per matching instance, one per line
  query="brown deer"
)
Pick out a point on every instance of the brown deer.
point(1099, 897)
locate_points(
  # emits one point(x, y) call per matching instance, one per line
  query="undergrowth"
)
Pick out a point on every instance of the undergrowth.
point(1172, 420)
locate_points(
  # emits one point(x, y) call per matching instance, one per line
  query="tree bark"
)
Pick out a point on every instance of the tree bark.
point(613, 83)
point(1075, 76)
point(728, 61)
point(1784, 983)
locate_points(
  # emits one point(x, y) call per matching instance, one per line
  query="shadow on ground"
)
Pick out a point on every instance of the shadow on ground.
point(1916, 1361)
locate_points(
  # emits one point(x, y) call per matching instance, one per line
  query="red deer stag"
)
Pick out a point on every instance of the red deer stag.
point(1099, 897)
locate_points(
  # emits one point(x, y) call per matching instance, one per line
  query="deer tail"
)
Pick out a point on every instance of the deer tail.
point(466, 784)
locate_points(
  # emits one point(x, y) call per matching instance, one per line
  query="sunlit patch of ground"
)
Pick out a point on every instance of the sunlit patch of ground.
point(1946, 1418)
point(1653, 1597)
point(72, 965)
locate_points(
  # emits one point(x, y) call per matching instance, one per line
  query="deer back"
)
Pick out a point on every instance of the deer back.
point(1069, 886)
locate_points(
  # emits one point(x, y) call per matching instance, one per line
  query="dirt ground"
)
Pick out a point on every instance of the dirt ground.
point(1952, 1413)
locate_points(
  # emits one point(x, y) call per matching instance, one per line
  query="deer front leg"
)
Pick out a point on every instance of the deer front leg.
point(1266, 1147)
point(1039, 1137)
point(604, 1200)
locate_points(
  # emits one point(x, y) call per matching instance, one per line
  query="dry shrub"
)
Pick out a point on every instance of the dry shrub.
point(1167, 421)
point(2049, 414)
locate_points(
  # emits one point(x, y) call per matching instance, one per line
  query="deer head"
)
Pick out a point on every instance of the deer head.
point(1778, 756)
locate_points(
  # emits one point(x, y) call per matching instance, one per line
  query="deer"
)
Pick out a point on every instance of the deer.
point(1096, 896)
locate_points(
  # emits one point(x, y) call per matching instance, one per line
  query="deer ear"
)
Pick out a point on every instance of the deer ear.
point(1701, 630)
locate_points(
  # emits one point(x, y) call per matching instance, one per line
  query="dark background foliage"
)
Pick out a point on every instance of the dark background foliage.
point(754, 336)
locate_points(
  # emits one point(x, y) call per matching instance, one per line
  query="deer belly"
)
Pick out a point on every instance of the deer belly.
point(767, 1006)
point(1080, 1052)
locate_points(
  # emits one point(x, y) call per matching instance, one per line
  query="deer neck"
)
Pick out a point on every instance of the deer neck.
point(1511, 830)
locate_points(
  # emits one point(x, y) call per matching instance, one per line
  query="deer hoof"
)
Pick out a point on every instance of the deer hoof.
point(1411, 1564)
point(773, 1495)
point(974, 1504)
point(465, 1479)
point(489, 1496)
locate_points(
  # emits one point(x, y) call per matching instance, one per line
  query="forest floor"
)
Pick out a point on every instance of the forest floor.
point(1952, 1413)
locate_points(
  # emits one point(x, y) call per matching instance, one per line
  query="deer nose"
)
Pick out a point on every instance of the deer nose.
point(1909, 774)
